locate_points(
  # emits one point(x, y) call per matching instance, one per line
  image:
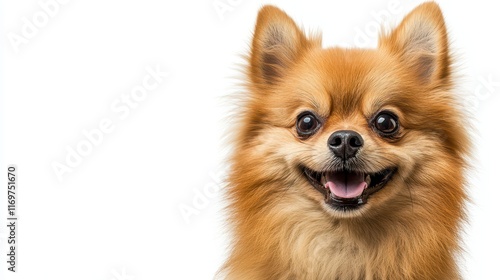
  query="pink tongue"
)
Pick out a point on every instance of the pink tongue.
point(346, 184)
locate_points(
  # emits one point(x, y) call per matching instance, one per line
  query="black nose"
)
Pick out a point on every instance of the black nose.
point(345, 143)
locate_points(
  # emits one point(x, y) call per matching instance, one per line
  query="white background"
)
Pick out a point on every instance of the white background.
point(117, 215)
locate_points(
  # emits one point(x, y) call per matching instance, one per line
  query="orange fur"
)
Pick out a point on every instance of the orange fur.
point(409, 229)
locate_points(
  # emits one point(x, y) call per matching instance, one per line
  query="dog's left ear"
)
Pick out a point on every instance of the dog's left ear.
point(421, 44)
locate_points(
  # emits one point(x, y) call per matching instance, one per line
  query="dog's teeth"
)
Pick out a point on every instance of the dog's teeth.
point(368, 180)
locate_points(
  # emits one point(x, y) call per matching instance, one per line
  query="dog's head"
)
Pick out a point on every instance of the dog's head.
point(354, 130)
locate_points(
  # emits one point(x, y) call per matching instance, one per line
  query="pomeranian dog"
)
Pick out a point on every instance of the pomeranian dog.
point(348, 163)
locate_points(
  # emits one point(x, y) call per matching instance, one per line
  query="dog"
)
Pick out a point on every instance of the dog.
point(348, 163)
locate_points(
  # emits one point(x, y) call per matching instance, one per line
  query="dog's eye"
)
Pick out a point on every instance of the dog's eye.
point(307, 124)
point(386, 123)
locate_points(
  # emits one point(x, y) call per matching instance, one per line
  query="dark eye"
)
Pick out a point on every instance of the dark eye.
point(307, 124)
point(386, 124)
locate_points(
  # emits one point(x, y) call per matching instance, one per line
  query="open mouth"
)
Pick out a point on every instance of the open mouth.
point(347, 190)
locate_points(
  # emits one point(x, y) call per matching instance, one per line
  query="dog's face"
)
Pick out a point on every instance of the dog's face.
point(354, 131)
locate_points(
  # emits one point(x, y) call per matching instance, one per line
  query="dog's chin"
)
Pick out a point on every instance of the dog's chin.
point(348, 191)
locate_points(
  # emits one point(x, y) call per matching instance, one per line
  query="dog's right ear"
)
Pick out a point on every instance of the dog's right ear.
point(277, 44)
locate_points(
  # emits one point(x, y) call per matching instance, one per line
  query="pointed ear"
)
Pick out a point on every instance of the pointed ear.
point(277, 44)
point(421, 43)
